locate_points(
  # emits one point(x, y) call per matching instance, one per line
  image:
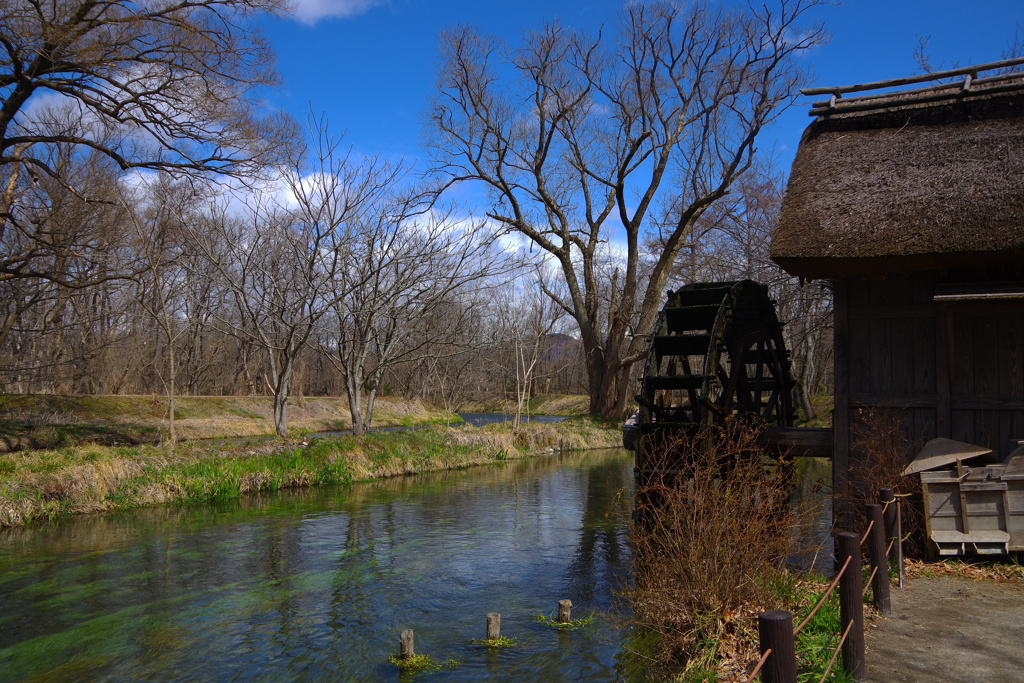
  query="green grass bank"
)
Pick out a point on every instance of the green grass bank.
point(43, 484)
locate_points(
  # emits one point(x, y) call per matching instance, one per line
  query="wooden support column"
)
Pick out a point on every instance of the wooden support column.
point(841, 409)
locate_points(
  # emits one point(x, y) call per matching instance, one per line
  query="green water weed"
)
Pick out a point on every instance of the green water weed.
point(418, 663)
point(500, 641)
point(548, 620)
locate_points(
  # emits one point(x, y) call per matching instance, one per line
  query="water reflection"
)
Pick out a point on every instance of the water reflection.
point(318, 583)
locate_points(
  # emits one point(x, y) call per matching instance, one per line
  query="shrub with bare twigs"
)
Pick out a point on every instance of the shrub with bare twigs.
point(714, 528)
point(881, 450)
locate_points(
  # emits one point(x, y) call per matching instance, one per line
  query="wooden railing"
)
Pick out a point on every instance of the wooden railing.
point(775, 628)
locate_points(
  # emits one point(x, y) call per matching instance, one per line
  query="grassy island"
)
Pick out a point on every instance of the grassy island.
point(82, 477)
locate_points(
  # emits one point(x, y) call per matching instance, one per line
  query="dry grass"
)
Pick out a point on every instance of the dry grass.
point(50, 421)
point(554, 404)
point(999, 569)
point(714, 527)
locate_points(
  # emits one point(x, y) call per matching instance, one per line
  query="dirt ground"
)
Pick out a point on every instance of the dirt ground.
point(949, 629)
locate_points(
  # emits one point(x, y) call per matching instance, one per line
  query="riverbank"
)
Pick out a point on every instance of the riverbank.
point(565, 405)
point(43, 484)
point(48, 421)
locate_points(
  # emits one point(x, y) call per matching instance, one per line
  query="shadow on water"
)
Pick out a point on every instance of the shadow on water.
point(814, 493)
point(318, 583)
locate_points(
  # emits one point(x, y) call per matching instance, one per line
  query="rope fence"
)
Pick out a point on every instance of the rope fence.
point(822, 599)
point(839, 647)
point(777, 637)
point(760, 663)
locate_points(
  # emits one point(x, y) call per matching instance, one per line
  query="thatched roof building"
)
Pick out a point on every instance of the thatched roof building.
point(911, 204)
point(897, 182)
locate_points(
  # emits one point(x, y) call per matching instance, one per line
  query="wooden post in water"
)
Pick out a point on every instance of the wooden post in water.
point(493, 626)
point(851, 604)
point(564, 611)
point(775, 631)
point(879, 560)
point(407, 649)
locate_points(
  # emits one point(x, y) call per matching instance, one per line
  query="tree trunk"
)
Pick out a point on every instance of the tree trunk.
point(171, 379)
point(355, 408)
point(371, 397)
point(607, 388)
point(280, 413)
point(281, 390)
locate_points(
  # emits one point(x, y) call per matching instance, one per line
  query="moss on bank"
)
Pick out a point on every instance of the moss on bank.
point(43, 484)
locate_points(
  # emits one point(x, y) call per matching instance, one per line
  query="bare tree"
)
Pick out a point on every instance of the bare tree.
point(282, 264)
point(70, 244)
point(523, 318)
point(405, 261)
point(584, 140)
point(92, 88)
point(157, 85)
point(159, 216)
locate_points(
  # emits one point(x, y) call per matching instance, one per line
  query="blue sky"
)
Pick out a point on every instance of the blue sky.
point(369, 65)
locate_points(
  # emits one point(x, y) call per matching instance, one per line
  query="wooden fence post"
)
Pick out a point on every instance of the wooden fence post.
point(899, 540)
point(775, 631)
point(894, 527)
point(879, 560)
point(851, 604)
point(564, 611)
point(493, 626)
point(407, 649)
point(886, 496)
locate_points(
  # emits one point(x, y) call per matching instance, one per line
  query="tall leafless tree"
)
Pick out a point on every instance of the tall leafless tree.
point(159, 214)
point(157, 85)
point(405, 261)
point(282, 263)
point(635, 132)
point(90, 89)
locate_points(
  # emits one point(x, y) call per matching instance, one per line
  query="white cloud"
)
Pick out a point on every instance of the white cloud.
point(312, 11)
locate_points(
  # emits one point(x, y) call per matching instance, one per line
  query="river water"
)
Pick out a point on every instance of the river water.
point(317, 584)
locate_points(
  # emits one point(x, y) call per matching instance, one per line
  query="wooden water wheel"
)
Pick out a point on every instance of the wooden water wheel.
point(716, 351)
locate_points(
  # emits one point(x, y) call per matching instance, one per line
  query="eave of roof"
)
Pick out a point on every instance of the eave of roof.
point(907, 187)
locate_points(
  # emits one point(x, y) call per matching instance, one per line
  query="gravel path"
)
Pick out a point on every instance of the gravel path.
point(949, 629)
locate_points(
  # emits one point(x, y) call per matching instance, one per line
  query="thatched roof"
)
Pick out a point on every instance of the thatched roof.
point(908, 182)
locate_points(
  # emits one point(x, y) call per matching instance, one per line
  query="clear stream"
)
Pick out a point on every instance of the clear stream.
point(317, 584)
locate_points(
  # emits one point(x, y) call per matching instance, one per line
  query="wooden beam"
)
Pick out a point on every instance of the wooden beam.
point(882, 312)
point(893, 401)
point(990, 403)
point(910, 100)
point(811, 442)
point(908, 80)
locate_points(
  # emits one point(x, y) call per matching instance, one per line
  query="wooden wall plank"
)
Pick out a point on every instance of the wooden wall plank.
point(902, 351)
point(1011, 355)
point(943, 376)
point(923, 341)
